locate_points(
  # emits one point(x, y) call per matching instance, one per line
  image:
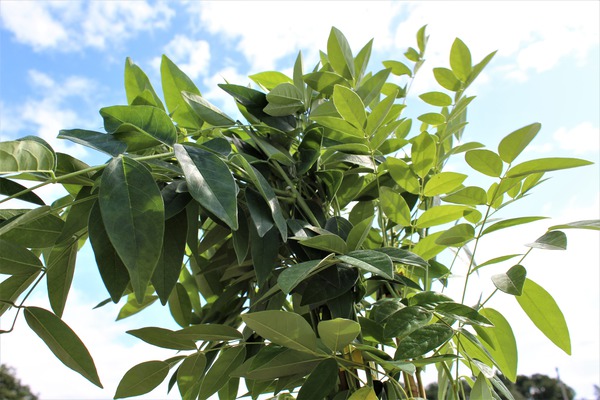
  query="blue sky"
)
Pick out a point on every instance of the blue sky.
point(62, 61)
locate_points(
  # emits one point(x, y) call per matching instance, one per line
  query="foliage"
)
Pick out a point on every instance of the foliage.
point(11, 387)
point(299, 250)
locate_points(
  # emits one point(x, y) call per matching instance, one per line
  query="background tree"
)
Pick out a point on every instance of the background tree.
point(11, 387)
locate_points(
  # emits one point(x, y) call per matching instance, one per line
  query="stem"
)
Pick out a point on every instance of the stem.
point(299, 198)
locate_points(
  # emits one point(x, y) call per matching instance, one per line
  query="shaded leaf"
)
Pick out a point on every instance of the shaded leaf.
point(208, 332)
point(462, 313)
point(189, 374)
point(127, 122)
point(12, 287)
point(512, 281)
point(10, 188)
point(338, 333)
point(283, 328)
point(405, 321)
point(142, 378)
point(321, 381)
point(327, 242)
point(553, 240)
point(206, 111)
point(218, 375)
point(17, 260)
point(60, 267)
point(103, 142)
point(423, 340)
point(371, 261)
point(163, 338)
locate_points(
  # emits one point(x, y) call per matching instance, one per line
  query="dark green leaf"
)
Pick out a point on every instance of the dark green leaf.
point(264, 253)
point(142, 378)
point(108, 144)
point(359, 233)
point(208, 332)
point(513, 144)
point(241, 238)
point(37, 228)
point(63, 342)
point(512, 281)
point(133, 214)
point(428, 299)
point(405, 321)
point(17, 260)
point(10, 188)
point(553, 240)
point(545, 165)
point(321, 381)
point(139, 126)
point(283, 362)
point(209, 182)
point(543, 311)
point(25, 156)
point(284, 99)
point(259, 212)
point(169, 264)
point(485, 161)
point(133, 307)
point(423, 340)
point(174, 81)
point(327, 242)
point(371, 261)
point(338, 333)
point(60, 267)
point(293, 275)
point(403, 256)
point(220, 372)
point(283, 328)
point(163, 338)
point(189, 375)
point(180, 305)
point(206, 111)
point(324, 81)
point(462, 313)
point(12, 287)
point(78, 215)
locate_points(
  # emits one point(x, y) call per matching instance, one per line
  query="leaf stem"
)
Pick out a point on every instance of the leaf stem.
point(299, 198)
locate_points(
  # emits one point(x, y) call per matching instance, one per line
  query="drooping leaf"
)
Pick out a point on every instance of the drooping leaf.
point(394, 206)
point(180, 305)
point(507, 223)
point(512, 281)
point(359, 233)
point(338, 333)
point(174, 81)
point(371, 261)
point(163, 338)
point(189, 374)
point(139, 126)
point(63, 342)
point(208, 332)
point(12, 287)
point(260, 213)
point(423, 340)
point(545, 165)
point(293, 275)
point(60, 267)
point(462, 313)
point(513, 144)
point(481, 390)
point(76, 221)
point(142, 378)
point(321, 381)
point(327, 242)
point(37, 228)
point(403, 256)
point(427, 247)
point(17, 260)
point(364, 393)
point(103, 142)
point(405, 321)
point(553, 240)
point(10, 188)
point(274, 362)
point(133, 215)
point(206, 111)
point(264, 253)
point(209, 182)
point(542, 310)
point(220, 372)
point(25, 156)
point(283, 328)
point(504, 346)
point(457, 236)
point(592, 224)
point(485, 161)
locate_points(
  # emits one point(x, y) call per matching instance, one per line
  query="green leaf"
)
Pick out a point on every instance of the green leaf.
point(338, 333)
point(17, 260)
point(137, 85)
point(108, 144)
point(485, 161)
point(324, 81)
point(327, 242)
point(462, 313)
point(371, 261)
point(126, 123)
point(545, 165)
point(364, 393)
point(220, 372)
point(512, 281)
point(554, 240)
point(189, 374)
point(283, 328)
point(270, 79)
point(180, 305)
point(340, 54)
point(398, 68)
point(174, 81)
point(10, 188)
point(440, 215)
point(591, 224)
point(543, 311)
point(284, 99)
point(293, 275)
point(403, 256)
point(460, 60)
point(350, 106)
point(504, 346)
point(405, 321)
point(403, 175)
point(206, 111)
point(481, 390)
point(423, 154)
point(60, 267)
point(63, 342)
point(209, 182)
point(133, 307)
point(433, 119)
point(394, 206)
point(133, 213)
point(25, 156)
point(283, 362)
point(371, 88)
point(513, 144)
point(438, 99)
point(457, 236)
point(112, 270)
point(264, 253)
point(36, 228)
point(321, 381)
point(12, 287)
point(76, 222)
point(259, 212)
point(169, 264)
point(142, 379)
point(427, 247)
point(362, 60)
point(507, 223)
point(443, 182)
point(470, 195)
point(359, 233)
point(164, 338)
point(423, 340)
point(446, 79)
point(208, 332)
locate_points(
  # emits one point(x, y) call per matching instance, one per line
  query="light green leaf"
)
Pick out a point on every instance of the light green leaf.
point(350, 106)
point(359, 233)
point(364, 393)
point(460, 60)
point(206, 111)
point(133, 307)
point(462, 313)
point(485, 161)
point(398, 68)
point(512, 281)
point(371, 261)
point(543, 311)
point(444, 182)
point(403, 175)
point(507, 223)
point(423, 154)
point(220, 372)
point(324, 81)
point(180, 305)
point(25, 156)
point(286, 329)
point(591, 224)
point(208, 333)
point(164, 338)
point(270, 79)
point(137, 85)
point(340, 54)
point(139, 126)
point(436, 99)
point(362, 60)
point(133, 214)
point(17, 260)
point(440, 215)
point(189, 374)
point(423, 340)
point(60, 269)
point(433, 119)
point(174, 81)
point(553, 240)
point(481, 390)
point(504, 346)
point(209, 182)
point(338, 333)
point(446, 79)
point(470, 195)
point(457, 236)
point(545, 165)
point(284, 99)
point(514, 143)
point(394, 206)
point(427, 247)
point(371, 88)
point(327, 242)
point(405, 321)
point(63, 342)
point(142, 378)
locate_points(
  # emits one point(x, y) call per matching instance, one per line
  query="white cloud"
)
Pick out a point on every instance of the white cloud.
point(582, 138)
point(218, 96)
point(71, 26)
point(192, 56)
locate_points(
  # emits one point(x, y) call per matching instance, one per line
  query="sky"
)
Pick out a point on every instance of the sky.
point(62, 61)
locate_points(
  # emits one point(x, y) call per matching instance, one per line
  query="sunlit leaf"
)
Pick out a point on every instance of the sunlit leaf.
point(545, 165)
point(513, 144)
point(142, 378)
point(460, 60)
point(444, 182)
point(25, 156)
point(340, 54)
point(174, 81)
point(283, 328)
point(507, 223)
point(338, 333)
point(394, 206)
point(485, 161)
point(504, 346)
